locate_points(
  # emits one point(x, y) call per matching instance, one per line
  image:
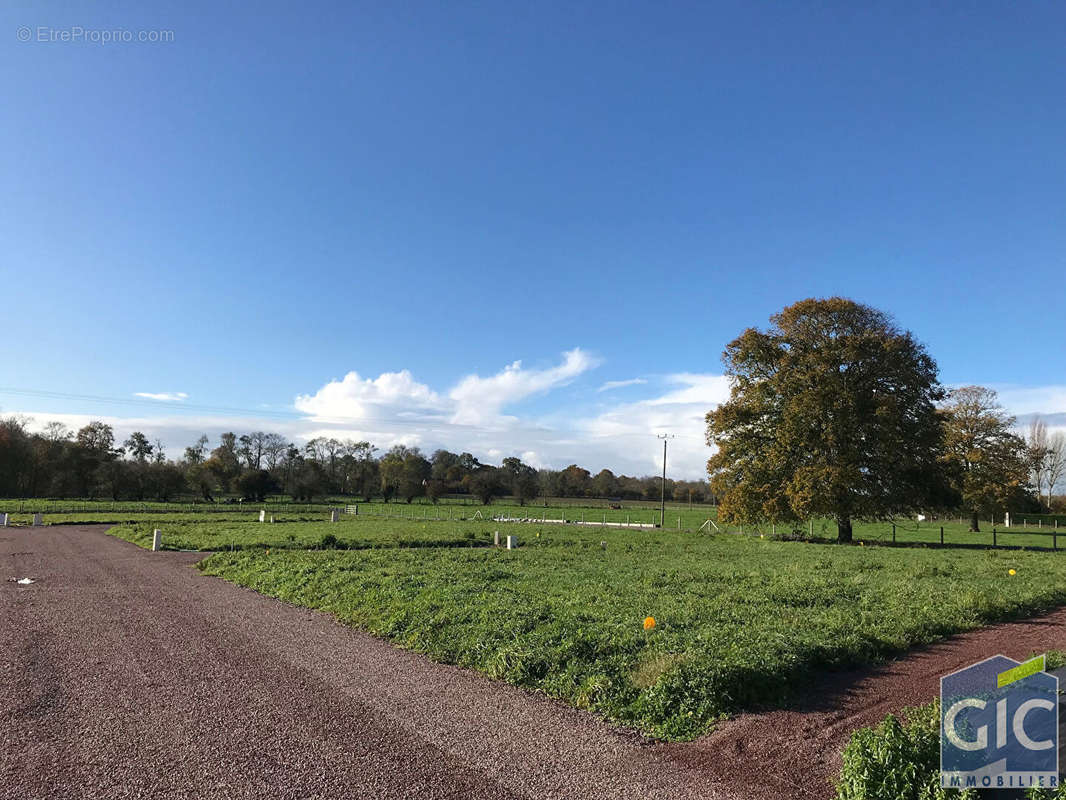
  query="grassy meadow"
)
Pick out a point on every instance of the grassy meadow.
point(740, 622)
point(448, 509)
point(349, 533)
point(1033, 531)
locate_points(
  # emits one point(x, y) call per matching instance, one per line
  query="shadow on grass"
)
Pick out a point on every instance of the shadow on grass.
point(879, 542)
point(340, 546)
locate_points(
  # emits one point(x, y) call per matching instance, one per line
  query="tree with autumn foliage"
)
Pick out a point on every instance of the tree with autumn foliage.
point(988, 463)
point(832, 412)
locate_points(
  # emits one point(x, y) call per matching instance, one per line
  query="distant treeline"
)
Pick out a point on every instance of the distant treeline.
point(89, 463)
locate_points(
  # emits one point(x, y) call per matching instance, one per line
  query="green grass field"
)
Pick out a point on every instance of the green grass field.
point(742, 622)
point(350, 532)
point(1039, 532)
point(106, 517)
point(119, 507)
point(241, 530)
point(447, 510)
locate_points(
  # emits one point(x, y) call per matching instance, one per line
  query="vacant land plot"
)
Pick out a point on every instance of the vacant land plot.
point(105, 517)
point(740, 622)
point(1032, 532)
point(238, 531)
point(84, 512)
point(350, 533)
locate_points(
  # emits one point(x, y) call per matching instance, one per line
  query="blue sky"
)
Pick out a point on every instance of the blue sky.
point(271, 201)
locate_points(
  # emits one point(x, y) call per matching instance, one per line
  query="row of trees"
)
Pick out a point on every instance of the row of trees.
point(58, 462)
point(834, 411)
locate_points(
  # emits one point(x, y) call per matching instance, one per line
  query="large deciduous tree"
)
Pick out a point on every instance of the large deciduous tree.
point(988, 463)
point(832, 413)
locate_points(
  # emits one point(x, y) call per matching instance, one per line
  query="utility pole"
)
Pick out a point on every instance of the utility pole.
point(662, 498)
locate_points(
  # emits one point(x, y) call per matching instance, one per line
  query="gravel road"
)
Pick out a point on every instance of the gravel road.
point(128, 674)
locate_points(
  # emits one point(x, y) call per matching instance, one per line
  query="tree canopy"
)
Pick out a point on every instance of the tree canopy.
point(988, 463)
point(832, 412)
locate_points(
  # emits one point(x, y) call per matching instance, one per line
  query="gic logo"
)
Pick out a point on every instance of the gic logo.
point(999, 725)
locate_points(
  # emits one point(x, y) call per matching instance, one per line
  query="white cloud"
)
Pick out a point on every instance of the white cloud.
point(355, 398)
point(624, 435)
point(695, 388)
point(169, 397)
point(479, 401)
point(395, 408)
point(1032, 399)
point(619, 384)
point(473, 401)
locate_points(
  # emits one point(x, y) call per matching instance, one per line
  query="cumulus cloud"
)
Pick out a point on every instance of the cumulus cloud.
point(473, 401)
point(355, 398)
point(480, 400)
point(167, 397)
point(589, 428)
point(395, 408)
point(619, 384)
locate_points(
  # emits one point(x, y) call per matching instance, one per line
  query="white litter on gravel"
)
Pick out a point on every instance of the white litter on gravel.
point(25, 581)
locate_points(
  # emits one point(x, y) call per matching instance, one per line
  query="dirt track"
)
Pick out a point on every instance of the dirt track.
point(125, 673)
point(797, 752)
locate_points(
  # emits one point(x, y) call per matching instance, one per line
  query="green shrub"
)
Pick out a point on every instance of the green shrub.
point(896, 761)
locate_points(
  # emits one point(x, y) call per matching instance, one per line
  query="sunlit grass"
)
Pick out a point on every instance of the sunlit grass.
point(740, 622)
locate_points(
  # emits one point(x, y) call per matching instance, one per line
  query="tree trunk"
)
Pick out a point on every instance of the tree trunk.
point(975, 523)
point(844, 530)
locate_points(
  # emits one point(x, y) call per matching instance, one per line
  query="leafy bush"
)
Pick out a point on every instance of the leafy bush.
point(896, 761)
